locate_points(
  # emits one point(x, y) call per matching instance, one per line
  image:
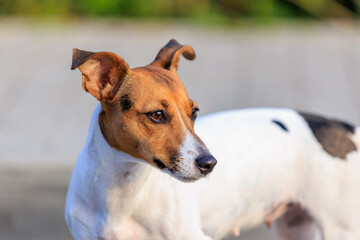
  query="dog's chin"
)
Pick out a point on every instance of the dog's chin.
point(187, 179)
point(184, 177)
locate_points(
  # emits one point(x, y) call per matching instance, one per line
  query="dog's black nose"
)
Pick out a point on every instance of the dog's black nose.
point(206, 164)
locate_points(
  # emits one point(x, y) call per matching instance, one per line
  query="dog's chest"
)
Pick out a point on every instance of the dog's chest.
point(153, 211)
point(144, 226)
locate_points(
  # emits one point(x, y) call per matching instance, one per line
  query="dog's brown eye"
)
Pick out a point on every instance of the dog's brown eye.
point(194, 113)
point(157, 116)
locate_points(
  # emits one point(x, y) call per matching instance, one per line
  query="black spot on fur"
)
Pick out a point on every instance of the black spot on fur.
point(125, 103)
point(159, 163)
point(281, 125)
point(174, 159)
point(333, 135)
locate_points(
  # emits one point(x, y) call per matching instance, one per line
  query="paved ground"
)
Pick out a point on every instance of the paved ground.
point(44, 113)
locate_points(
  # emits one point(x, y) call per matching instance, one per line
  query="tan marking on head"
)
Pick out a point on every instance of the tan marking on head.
point(102, 72)
point(125, 121)
point(168, 57)
point(149, 89)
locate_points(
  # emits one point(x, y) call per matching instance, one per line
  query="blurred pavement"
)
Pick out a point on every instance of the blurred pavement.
point(44, 113)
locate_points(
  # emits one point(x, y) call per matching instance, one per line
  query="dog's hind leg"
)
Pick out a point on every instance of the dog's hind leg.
point(297, 224)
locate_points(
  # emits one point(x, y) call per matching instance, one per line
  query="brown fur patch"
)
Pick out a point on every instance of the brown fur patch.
point(168, 56)
point(133, 132)
point(162, 77)
point(102, 73)
point(102, 124)
point(334, 136)
point(129, 96)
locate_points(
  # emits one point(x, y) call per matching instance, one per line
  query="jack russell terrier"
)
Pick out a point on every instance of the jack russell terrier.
point(132, 178)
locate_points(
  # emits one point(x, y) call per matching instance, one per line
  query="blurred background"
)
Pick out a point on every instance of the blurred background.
point(303, 54)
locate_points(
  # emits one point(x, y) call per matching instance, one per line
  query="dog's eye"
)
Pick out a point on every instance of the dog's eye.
point(194, 113)
point(157, 116)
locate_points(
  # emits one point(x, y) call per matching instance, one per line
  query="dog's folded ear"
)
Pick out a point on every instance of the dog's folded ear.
point(102, 72)
point(168, 56)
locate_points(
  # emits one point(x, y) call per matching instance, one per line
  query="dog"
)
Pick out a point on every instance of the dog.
point(145, 174)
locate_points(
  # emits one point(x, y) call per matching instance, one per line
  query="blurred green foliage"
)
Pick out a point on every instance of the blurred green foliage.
point(219, 10)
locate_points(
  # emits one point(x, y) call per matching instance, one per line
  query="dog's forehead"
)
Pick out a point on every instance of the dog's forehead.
point(159, 76)
point(154, 85)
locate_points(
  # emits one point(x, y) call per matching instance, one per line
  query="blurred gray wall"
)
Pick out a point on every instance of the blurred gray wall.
point(44, 113)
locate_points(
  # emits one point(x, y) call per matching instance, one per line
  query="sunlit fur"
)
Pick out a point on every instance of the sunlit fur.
point(119, 189)
point(113, 195)
point(260, 165)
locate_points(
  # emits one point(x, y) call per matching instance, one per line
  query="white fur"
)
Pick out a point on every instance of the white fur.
point(189, 151)
point(115, 196)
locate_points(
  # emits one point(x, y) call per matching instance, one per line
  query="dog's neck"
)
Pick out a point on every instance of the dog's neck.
point(117, 174)
point(116, 187)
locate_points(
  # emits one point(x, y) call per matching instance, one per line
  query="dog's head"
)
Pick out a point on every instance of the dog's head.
point(146, 111)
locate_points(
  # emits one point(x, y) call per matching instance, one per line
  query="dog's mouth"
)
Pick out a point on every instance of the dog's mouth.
point(183, 172)
point(159, 163)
